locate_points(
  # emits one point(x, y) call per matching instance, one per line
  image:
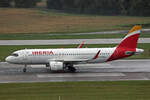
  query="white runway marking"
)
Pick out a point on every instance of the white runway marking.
point(79, 75)
point(134, 79)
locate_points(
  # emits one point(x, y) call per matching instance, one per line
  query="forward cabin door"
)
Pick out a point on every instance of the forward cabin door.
point(26, 58)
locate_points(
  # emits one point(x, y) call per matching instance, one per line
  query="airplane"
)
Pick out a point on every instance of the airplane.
point(64, 59)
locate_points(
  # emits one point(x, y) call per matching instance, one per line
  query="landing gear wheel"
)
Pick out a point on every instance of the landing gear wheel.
point(72, 69)
point(24, 70)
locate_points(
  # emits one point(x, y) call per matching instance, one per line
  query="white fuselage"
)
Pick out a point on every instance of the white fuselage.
point(75, 55)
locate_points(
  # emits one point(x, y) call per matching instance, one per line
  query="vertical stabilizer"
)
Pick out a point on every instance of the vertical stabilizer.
point(131, 39)
point(127, 46)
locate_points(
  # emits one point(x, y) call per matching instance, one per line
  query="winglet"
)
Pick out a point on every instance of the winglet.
point(81, 45)
point(96, 56)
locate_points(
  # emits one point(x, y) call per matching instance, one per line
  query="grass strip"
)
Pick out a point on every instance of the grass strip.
point(43, 20)
point(48, 36)
point(109, 90)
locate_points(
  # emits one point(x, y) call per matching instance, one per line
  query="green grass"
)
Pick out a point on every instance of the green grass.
point(47, 36)
point(117, 90)
point(144, 24)
point(7, 50)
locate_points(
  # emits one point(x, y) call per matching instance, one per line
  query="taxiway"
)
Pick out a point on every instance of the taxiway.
point(111, 71)
point(67, 41)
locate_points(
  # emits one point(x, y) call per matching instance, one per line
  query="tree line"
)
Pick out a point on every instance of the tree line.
point(101, 7)
point(19, 3)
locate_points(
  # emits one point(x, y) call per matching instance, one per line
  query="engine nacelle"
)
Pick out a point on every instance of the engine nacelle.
point(56, 66)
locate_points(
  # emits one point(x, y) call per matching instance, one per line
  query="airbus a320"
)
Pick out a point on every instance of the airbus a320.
point(64, 59)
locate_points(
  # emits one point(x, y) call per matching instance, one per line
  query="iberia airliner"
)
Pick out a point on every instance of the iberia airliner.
point(64, 59)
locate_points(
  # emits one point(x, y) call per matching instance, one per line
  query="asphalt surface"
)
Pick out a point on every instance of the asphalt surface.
point(147, 31)
point(112, 71)
point(66, 41)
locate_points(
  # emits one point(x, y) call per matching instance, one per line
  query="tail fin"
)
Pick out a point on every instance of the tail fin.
point(131, 39)
point(127, 46)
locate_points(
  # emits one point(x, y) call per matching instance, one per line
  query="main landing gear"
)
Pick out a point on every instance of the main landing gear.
point(70, 67)
point(25, 68)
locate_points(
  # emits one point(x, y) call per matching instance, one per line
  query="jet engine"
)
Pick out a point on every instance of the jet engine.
point(56, 66)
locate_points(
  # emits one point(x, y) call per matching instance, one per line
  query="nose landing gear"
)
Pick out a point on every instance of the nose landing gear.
point(25, 68)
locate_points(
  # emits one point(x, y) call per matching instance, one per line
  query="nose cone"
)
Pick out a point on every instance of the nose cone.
point(8, 59)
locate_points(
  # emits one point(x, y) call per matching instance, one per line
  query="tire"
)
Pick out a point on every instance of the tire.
point(72, 69)
point(24, 70)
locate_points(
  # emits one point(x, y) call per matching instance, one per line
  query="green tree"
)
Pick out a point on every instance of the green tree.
point(54, 4)
point(25, 3)
point(4, 3)
point(104, 7)
point(139, 8)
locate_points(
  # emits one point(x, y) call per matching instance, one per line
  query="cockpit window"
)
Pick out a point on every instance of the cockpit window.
point(15, 55)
